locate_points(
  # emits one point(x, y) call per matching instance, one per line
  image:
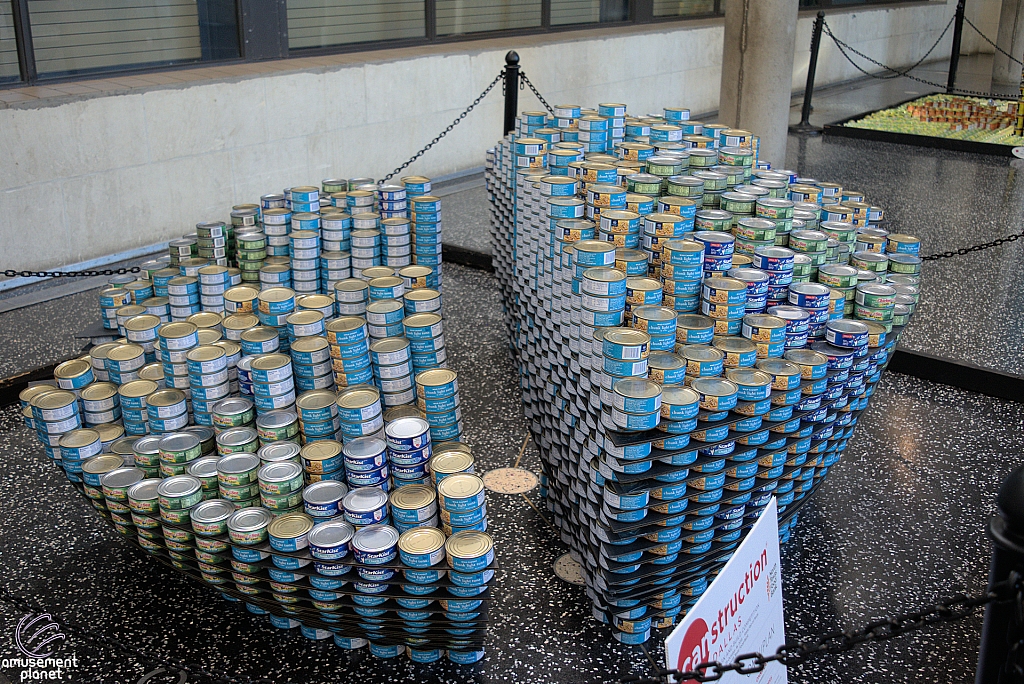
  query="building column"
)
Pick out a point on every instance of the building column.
point(1011, 39)
point(757, 71)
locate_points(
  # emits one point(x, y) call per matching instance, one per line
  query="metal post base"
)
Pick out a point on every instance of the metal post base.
point(805, 129)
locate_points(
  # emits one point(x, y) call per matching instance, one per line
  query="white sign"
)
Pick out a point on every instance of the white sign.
point(1018, 152)
point(741, 612)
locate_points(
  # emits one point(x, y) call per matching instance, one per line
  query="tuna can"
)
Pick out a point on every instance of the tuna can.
point(324, 456)
point(715, 394)
point(248, 526)
point(237, 440)
point(738, 352)
point(411, 434)
point(283, 477)
point(752, 385)
point(365, 506)
point(809, 295)
point(448, 463)
point(143, 498)
point(469, 551)
point(271, 368)
point(278, 425)
point(238, 469)
point(330, 540)
point(323, 499)
point(210, 518)
point(813, 365)
point(846, 334)
point(259, 340)
point(179, 447)
point(205, 470)
point(233, 412)
point(694, 329)
point(179, 493)
point(460, 492)
point(290, 532)
point(375, 544)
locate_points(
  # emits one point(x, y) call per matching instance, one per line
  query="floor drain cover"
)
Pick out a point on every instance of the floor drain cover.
point(569, 570)
point(510, 480)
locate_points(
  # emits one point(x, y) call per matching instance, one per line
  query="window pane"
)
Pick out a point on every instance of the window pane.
point(588, 11)
point(320, 23)
point(683, 8)
point(71, 36)
point(8, 48)
point(472, 16)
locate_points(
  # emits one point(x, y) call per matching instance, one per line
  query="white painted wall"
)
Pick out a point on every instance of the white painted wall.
point(985, 15)
point(96, 176)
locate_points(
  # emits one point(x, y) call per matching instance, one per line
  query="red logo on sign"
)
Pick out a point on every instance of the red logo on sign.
point(694, 649)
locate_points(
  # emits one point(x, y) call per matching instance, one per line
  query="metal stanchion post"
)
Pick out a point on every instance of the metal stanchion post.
point(1019, 128)
point(805, 114)
point(511, 89)
point(954, 55)
point(1003, 631)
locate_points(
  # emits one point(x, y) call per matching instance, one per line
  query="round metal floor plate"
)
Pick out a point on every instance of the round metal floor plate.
point(569, 570)
point(510, 480)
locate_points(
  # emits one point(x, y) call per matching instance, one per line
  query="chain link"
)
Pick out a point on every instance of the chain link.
point(529, 84)
point(147, 659)
point(11, 273)
point(895, 73)
point(797, 653)
point(448, 130)
point(975, 248)
point(989, 41)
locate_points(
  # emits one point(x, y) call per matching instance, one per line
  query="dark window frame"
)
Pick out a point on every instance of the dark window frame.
point(263, 35)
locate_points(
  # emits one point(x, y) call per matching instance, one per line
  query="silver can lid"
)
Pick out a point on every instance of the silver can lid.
point(238, 463)
point(237, 436)
point(249, 519)
point(146, 445)
point(365, 499)
point(232, 406)
point(179, 486)
point(276, 419)
point(203, 432)
point(279, 472)
point(324, 492)
point(178, 441)
point(331, 533)
point(144, 490)
point(212, 510)
point(276, 452)
point(204, 467)
point(126, 477)
point(364, 447)
point(404, 428)
point(375, 538)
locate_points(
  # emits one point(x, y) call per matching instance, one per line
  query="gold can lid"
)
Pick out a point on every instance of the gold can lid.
point(411, 497)
point(53, 399)
point(304, 317)
point(290, 526)
point(351, 285)
point(77, 439)
point(345, 324)
point(415, 272)
point(468, 544)
point(435, 377)
point(276, 294)
point(309, 344)
point(143, 322)
point(261, 333)
point(241, 293)
point(205, 319)
point(137, 388)
point(98, 391)
point(377, 272)
point(208, 336)
point(130, 310)
point(448, 462)
point(736, 345)
point(444, 447)
point(241, 321)
point(100, 351)
point(321, 451)
point(315, 301)
point(26, 395)
point(152, 371)
point(387, 281)
point(267, 362)
point(389, 344)
point(422, 320)
point(165, 397)
point(316, 399)
point(403, 411)
point(125, 352)
point(213, 270)
point(230, 347)
point(102, 463)
point(75, 368)
point(358, 397)
point(422, 295)
point(384, 306)
point(109, 432)
point(279, 265)
point(183, 280)
point(460, 486)
point(176, 330)
point(123, 446)
point(420, 540)
point(207, 352)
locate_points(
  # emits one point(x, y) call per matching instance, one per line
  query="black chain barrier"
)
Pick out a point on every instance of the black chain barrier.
point(529, 83)
point(798, 652)
point(11, 273)
point(989, 41)
point(975, 248)
point(448, 130)
point(846, 48)
point(151, 662)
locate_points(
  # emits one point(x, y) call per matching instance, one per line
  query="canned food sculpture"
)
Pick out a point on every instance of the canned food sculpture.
point(278, 420)
point(696, 333)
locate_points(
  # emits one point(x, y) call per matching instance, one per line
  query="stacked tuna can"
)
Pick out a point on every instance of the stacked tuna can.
point(298, 451)
point(675, 383)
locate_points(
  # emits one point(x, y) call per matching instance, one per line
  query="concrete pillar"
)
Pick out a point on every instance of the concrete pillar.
point(757, 71)
point(1011, 39)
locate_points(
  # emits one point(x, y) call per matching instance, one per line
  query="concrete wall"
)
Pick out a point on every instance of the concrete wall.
point(985, 15)
point(87, 178)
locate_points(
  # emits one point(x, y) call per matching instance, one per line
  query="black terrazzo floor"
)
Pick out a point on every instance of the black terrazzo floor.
point(898, 523)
